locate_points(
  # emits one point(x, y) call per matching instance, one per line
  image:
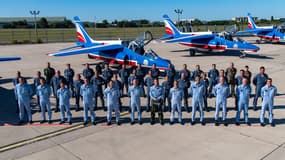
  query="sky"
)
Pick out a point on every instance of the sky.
point(91, 10)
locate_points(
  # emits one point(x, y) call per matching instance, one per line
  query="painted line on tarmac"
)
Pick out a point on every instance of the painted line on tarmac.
point(48, 135)
point(36, 125)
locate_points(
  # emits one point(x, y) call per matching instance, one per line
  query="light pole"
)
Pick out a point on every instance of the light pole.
point(178, 12)
point(35, 13)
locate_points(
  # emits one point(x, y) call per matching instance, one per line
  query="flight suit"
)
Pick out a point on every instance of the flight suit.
point(98, 83)
point(267, 93)
point(206, 84)
point(124, 74)
point(198, 91)
point(55, 82)
point(77, 85)
point(238, 82)
point(112, 95)
point(88, 73)
point(259, 81)
point(186, 72)
point(49, 73)
point(213, 74)
point(64, 96)
point(88, 93)
point(15, 82)
point(107, 75)
point(176, 95)
point(155, 73)
point(24, 93)
point(35, 85)
point(44, 92)
point(148, 82)
point(248, 74)
point(166, 86)
point(135, 92)
point(118, 85)
point(140, 74)
point(196, 73)
point(243, 94)
point(156, 94)
point(184, 84)
point(68, 75)
point(221, 92)
point(171, 73)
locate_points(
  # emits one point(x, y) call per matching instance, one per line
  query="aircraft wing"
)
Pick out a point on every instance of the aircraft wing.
point(190, 38)
point(253, 32)
point(9, 58)
point(100, 48)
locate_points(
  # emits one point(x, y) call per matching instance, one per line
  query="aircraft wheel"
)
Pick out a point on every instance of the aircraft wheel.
point(192, 52)
point(243, 55)
point(258, 41)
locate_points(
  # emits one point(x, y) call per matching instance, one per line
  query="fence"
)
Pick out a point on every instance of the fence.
point(18, 36)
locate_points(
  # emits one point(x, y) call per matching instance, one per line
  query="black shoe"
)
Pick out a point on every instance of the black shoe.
point(39, 111)
point(105, 109)
point(248, 123)
point(94, 123)
point(140, 122)
point(216, 123)
point(162, 123)
point(182, 123)
point(147, 110)
point(61, 122)
point(255, 108)
point(171, 123)
point(207, 110)
point(20, 122)
point(31, 122)
point(109, 123)
point(77, 110)
point(85, 123)
point(70, 123)
point(262, 124)
point(132, 123)
point(237, 123)
point(49, 122)
point(272, 124)
point(43, 121)
point(56, 110)
point(118, 123)
point(225, 124)
point(193, 123)
point(203, 123)
point(152, 122)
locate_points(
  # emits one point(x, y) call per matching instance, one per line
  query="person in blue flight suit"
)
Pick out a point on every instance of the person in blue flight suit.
point(77, 83)
point(15, 82)
point(222, 74)
point(112, 95)
point(64, 95)
point(148, 82)
point(87, 91)
point(155, 73)
point(166, 86)
point(198, 91)
point(196, 72)
point(259, 81)
point(156, 95)
point(205, 81)
point(184, 84)
point(35, 85)
point(87, 72)
point(243, 93)
point(186, 72)
point(170, 72)
point(213, 74)
point(44, 91)
point(124, 73)
point(176, 95)
point(132, 77)
point(68, 75)
point(135, 92)
point(55, 82)
point(267, 93)
point(24, 93)
point(97, 81)
point(107, 74)
point(221, 92)
point(238, 81)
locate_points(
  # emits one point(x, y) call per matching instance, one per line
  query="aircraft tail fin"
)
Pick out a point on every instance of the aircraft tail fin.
point(250, 23)
point(170, 28)
point(82, 35)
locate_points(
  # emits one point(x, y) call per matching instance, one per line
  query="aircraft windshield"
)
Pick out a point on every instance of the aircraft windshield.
point(150, 53)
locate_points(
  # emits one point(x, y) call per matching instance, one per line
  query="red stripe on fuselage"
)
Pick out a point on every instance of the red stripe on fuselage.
point(204, 46)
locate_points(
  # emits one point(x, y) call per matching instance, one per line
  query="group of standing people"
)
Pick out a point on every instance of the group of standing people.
point(135, 83)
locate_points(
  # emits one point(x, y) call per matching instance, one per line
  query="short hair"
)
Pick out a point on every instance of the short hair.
point(269, 79)
point(246, 66)
point(262, 67)
point(241, 70)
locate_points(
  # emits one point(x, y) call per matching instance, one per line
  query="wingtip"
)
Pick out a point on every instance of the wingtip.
point(165, 16)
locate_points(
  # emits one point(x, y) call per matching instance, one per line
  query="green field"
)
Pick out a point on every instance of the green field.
point(13, 36)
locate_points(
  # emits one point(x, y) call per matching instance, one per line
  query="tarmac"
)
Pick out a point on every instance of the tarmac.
point(52, 142)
